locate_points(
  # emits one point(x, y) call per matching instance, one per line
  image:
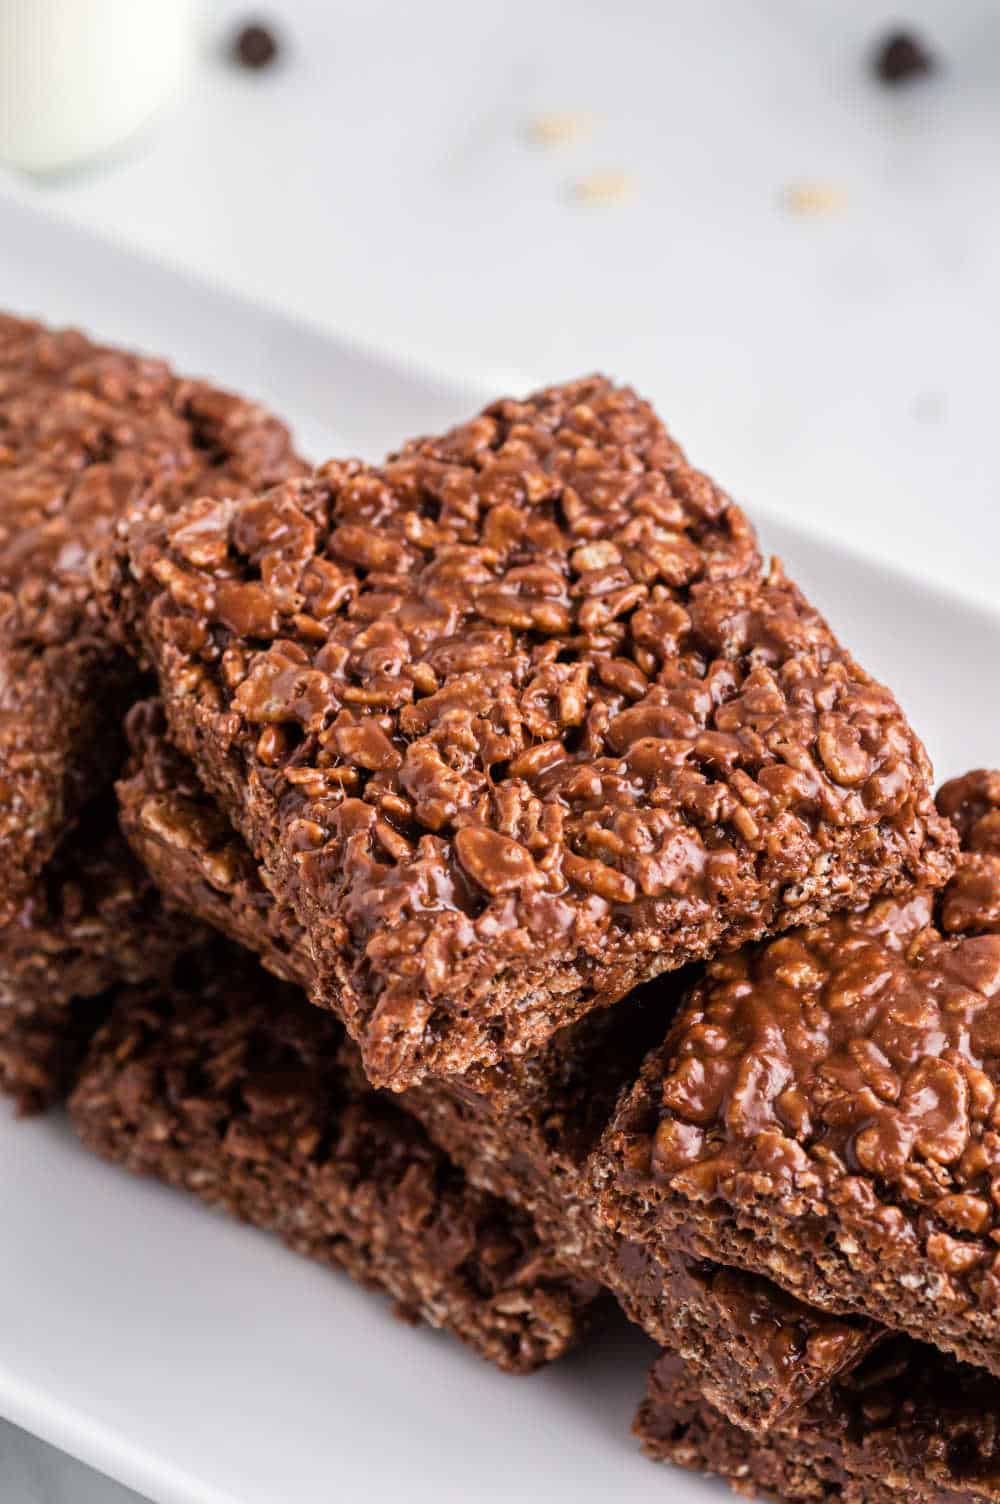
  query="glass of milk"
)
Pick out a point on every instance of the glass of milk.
point(78, 77)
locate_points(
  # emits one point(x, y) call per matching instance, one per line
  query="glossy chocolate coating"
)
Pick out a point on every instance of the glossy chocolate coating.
point(516, 721)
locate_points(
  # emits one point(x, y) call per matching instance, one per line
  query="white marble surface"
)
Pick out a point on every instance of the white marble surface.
point(837, 368)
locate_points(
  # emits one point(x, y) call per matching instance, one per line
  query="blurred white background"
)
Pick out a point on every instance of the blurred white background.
point(834, 365)
point(797, 262)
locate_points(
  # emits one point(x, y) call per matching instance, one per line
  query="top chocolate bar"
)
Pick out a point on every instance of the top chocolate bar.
point(86, 432)
point(516, 721)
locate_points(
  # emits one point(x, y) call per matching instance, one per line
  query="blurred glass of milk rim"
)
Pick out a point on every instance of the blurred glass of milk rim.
point(78, 77)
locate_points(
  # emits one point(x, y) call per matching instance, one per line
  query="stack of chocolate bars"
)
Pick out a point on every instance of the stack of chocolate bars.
point(485, 871)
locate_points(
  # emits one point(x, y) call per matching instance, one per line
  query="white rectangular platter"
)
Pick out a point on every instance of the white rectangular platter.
point(197, 1361)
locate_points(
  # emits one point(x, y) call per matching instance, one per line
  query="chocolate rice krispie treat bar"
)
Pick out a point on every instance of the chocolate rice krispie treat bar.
point(516, 721)
point(522, 1131)
point(225, 1082)
point(193, 854)
point(909, 1424)
point(42, 1047)
point(757, 1352)
point(825, 1109)
point(86, 433)
point(94, 917)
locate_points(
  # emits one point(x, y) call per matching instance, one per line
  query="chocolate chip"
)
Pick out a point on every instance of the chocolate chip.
point(255, 46)
point(902, 57)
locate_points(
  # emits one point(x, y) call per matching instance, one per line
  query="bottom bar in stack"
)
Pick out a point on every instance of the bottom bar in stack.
point(910, 1425)
point(224, 1081)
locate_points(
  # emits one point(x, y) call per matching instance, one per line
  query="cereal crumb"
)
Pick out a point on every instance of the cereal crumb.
point(558, 127)
point(814, 198)
point(929, 407)
point(604, 188)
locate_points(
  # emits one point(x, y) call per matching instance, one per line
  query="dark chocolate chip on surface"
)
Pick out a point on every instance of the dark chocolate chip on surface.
point(902, 57)
point(255, 46)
